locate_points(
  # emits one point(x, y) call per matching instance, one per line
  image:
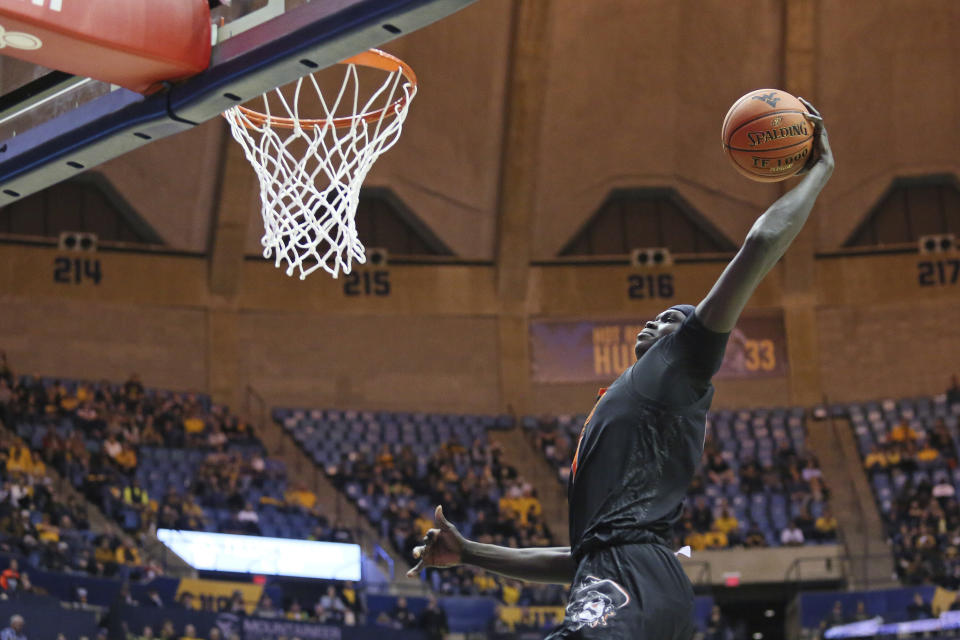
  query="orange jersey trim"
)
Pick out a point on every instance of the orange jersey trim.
point(576, 454)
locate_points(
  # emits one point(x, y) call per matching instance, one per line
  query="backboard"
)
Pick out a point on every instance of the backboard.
point(54, 125)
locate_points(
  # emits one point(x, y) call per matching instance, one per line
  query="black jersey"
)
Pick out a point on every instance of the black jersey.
point(642, 442)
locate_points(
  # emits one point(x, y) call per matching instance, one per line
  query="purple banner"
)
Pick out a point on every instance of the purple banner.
point(564, 351)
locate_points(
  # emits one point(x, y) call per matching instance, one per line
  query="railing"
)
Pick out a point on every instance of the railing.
point(300, 466)
point(256, 410)
point(380, 554)
point(700, 577)
point(866, 540)
point(794, 572)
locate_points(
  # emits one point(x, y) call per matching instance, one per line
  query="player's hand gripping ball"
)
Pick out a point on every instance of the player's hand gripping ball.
point(767, 135)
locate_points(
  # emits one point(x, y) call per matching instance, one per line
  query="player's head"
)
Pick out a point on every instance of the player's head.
point(664, 324)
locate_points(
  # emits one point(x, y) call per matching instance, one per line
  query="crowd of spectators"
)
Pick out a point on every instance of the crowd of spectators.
point(432, 619)
point(340, 604)
point(99, 435)
point(797, 476)
point(909, 450)
point(50, 527)
point(709, 520)
point(94, 433)
point(487, 498)
point(918, 608)
point(837, 616)
point(168, 631)
point(924, 515)
point(41, 523)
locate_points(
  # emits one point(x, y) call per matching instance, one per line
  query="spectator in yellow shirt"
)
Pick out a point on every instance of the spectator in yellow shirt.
point(127, 555)
point(715, 539)
point(127, 459)
point(875, 460)
point(508, 506)
point(727, 522)
point(19, 460)
point(927, 453)
point(484, 582)
point(694, 539)
point(47, 531)
point(103, 553)
point(84, 393)
point(135, 495)
point(422, 524)
point(826, 525)
point(903, 432)
point(893, 455)
point(68, 402)
point(527, 505)
point(511, 593)
point(302, 497)
point(519, 503)
point(194, 424)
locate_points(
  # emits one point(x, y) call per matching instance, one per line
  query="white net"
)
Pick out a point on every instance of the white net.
point(310, 171)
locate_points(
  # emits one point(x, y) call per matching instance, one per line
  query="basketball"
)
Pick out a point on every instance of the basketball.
point(767, 135)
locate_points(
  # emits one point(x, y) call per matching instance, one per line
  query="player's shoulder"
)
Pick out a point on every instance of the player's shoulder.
point(693, 348)
point(693, 330)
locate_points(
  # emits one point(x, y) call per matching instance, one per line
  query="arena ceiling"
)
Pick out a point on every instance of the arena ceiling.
point(566, 102)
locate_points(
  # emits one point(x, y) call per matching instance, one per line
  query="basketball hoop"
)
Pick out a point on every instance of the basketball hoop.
point(310, 170)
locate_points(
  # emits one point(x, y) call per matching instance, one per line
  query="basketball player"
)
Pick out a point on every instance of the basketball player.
point(638, 451)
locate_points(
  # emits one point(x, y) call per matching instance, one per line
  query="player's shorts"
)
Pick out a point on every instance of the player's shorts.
point(632, 591)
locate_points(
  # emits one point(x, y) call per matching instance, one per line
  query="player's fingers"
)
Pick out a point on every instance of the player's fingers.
point(438, 516)
point(812, 109)
point(415, 570)
point(417, 552)
point(430, 535)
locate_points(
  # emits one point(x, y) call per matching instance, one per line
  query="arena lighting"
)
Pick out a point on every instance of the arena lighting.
point(231, 553)
point(651, 257)
point(77, 241)
point(377, 256)
point(937, 243)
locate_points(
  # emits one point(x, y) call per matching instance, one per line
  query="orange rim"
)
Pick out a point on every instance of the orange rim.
point(373, 58)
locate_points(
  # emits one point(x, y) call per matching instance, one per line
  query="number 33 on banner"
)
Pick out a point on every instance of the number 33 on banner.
point(760, 355)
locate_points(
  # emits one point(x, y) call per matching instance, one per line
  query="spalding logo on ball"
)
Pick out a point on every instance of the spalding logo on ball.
point(767, 136)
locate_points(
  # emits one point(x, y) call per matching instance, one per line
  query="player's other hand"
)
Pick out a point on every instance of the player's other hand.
point(822, 154)
point(442, 547)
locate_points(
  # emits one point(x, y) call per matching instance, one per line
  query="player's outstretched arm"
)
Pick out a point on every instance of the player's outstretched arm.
point(444, 547)
point(768, 240)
